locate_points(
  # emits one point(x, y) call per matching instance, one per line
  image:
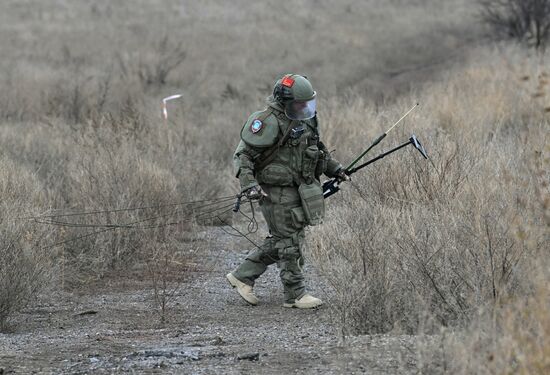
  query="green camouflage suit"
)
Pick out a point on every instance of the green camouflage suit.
point(302, 159)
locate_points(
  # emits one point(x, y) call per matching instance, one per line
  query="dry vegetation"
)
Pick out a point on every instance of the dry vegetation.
point(459, 242)
point(419, 247)
point(24, 266)
point(524, 20)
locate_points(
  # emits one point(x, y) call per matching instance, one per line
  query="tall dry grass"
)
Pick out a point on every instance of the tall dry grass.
point(81, 83)
point(24, 266)
point(74, 59)
point(409, 246)
point(461, 240)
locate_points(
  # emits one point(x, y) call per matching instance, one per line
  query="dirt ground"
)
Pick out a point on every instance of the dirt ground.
point(111, 327)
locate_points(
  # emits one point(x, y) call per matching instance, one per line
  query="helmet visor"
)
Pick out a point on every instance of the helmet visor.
point(301, 110)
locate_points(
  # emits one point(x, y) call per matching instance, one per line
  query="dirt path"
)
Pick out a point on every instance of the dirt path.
point(210, 330)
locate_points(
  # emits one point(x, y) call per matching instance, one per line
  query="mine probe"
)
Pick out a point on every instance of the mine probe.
point(332, 186)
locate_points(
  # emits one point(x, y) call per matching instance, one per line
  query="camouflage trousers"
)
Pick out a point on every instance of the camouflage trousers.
point(284, 216)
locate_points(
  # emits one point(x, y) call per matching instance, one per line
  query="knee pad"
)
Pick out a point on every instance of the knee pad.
point(287, 249)
point(265, 252)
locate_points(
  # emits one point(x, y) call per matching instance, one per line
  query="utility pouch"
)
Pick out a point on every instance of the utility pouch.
point(313, 202)
point(297, 216)
point(309, 163)
point(276, 175)
point(322, 163)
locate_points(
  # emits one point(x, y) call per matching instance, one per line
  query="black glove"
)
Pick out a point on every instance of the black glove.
point(342, 176)
point(255, 192)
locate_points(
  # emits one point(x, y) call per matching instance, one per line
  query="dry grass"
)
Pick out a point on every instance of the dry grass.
point(24, 266)
point(410, 246)
point(422, 246)
point(81, 86)
point(511, 340)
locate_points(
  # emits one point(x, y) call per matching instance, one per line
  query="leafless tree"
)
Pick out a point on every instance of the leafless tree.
point(527, 20)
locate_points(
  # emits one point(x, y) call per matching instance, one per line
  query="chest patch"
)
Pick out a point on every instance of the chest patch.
point(256, 126)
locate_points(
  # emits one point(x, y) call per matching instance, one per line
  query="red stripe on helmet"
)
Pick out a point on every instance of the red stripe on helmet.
point(287, 81)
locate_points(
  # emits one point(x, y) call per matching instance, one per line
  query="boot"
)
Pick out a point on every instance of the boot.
point(243, 289)
point(306, 302)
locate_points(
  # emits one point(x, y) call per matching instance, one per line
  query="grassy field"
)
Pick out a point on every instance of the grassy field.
point(457, 245)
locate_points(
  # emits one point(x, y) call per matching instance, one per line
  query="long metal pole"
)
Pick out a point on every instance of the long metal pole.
point(377, 140)
point(363, 165)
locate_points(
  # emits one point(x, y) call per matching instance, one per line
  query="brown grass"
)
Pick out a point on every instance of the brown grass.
point(416, 246)
point(411, 246)
point(24, 266)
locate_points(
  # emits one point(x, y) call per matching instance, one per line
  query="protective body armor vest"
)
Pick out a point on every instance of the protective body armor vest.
point(292, 163)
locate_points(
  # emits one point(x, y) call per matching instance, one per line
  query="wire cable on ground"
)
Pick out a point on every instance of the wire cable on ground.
point(85, 225)
point(132, 225)
point(96, 212)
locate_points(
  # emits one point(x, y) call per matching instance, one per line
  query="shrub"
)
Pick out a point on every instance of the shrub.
point(416, 245)
point(110, 176)
point(24, 266)
point(402, 263)
point(154, 68)
point(527, 20)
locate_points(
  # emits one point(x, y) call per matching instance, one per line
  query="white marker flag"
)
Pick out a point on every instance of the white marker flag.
point(166, 100)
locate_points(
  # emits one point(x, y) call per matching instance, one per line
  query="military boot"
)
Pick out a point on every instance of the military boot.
point(243, 289)
point(306, 302)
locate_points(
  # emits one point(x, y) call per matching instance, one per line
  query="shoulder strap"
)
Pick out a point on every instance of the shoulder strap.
point(268, 111)
point(316, 128)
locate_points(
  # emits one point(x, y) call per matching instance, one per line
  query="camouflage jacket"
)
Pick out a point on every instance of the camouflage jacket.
point(302, 157)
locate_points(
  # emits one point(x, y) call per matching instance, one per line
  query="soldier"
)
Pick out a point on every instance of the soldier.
point(279, 161)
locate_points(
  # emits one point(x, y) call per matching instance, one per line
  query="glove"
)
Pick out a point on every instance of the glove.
point(342, 176)
point(255, 192)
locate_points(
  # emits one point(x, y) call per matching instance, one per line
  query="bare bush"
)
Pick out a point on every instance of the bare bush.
point(401, 265)
point(514, 338)
point(25, 268)
point(168, 266)
point(418, 245)
point(116, 177)
point(165, 56)
point(526, 20)
point(159, 267)
point(22, 271)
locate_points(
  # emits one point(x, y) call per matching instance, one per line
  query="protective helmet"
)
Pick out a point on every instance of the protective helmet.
point(297, 96)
